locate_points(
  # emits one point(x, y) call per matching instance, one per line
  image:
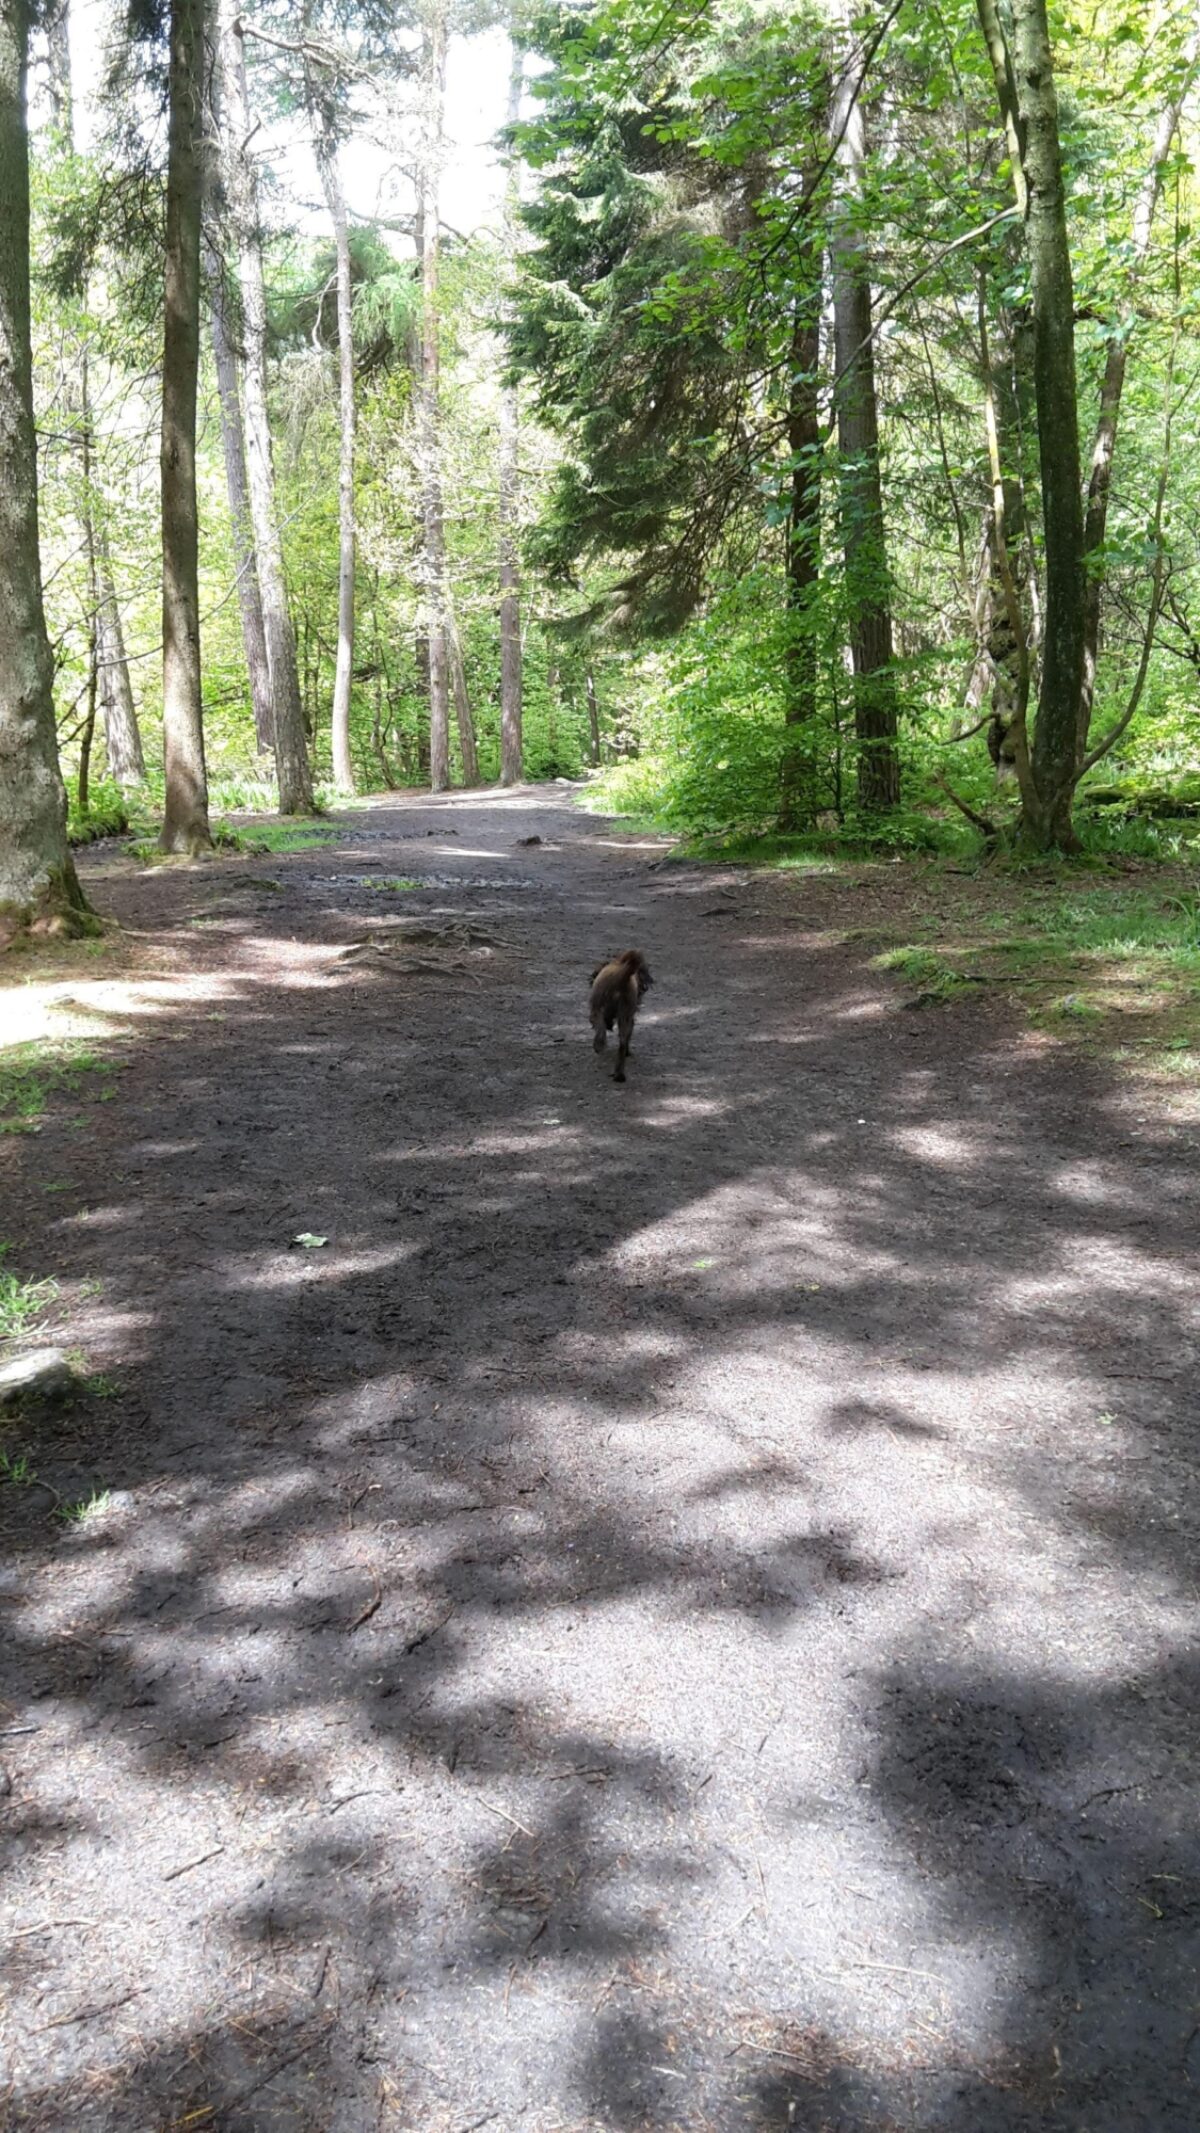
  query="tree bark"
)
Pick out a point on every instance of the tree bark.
point(123, 740)
point(511, 683)
point(37, 877)
point(1006, 523)
point(185, 821)
point(864, 541)
point(122, 734)
point(254, 635)
point(343, 762)
point(462, 701)
point(593, 712)
point(1055, 753)
point(428, 398)
point(797, 797)
point(287, 705)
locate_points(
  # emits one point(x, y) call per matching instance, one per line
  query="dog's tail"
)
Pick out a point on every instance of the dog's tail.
point(637, 967)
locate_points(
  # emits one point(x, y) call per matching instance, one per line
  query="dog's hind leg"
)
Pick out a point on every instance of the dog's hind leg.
point(624, 1033)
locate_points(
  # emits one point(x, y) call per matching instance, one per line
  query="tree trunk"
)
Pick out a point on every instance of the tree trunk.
point(864, 542)
point(84, 782)
point(798, 796)
point(462, 702)
point(1055, 754)
point(37, 877)
point(185, 821)
point(122, 734)
point(83, 785)
point(1006, 531)
point(593, 712)
point(343, 763)
point(428, 398)
point(287, 706)
point(123, 739)
point(254, 635)
point(511, 742)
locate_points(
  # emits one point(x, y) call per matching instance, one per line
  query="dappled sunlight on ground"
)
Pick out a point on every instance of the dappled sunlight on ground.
point(676, 1615)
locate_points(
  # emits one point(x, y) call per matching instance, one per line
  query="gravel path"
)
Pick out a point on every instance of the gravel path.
point(680, 1613)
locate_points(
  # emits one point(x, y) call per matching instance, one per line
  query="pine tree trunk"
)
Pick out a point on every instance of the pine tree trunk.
point(37, 876)
point(287, 705)
point(123, 739)
point(428, 403)
point(593, 712)
point(254, 635)
point(122, 734)
point(462, 701)
point(1006, 530)
point(864, 541)
point(511, 685)
point(343, 762)
point(798, 796)
point(1055, 753)
point(185, 821)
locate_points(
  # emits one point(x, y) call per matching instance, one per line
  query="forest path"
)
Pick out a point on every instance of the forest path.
point(677, 1614)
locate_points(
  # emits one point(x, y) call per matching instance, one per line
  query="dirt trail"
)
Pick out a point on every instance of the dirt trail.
point(679, 1614)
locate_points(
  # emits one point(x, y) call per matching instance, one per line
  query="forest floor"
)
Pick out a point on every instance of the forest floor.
point(675, 1607)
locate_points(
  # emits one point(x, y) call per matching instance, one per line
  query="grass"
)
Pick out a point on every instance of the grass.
point(21, 1302)
point(928, 971)
point(31, 1073)
point(74, 1514)
point(280, 836)
point(1122, 962)
point(775, 851)
point(16, 1471)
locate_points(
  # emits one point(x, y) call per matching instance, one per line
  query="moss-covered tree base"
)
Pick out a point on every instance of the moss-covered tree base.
point(60, 911)
point(185, 844)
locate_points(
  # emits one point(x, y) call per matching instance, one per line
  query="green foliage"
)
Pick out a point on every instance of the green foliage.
point(677, 228)
point(106, 814)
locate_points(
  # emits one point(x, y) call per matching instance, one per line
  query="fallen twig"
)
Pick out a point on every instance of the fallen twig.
point(423, 1635)
point(188, 1864)
point(506, 1817)
point(49, 1925)
point(91, 2014)
point(372, 1607)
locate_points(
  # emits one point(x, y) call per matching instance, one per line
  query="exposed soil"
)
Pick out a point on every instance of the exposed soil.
point(680, 1612)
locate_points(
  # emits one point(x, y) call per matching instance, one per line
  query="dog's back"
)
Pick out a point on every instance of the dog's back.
point(617, 989)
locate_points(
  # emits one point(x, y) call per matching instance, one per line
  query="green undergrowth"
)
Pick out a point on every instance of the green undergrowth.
point(107, 814)
point(298, 834)
point(1117, 961)
point(1131, 818)
point(32, 1074)
point(295, 835)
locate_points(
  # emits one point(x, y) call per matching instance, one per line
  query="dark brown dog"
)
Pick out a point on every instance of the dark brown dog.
point(617, 991)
